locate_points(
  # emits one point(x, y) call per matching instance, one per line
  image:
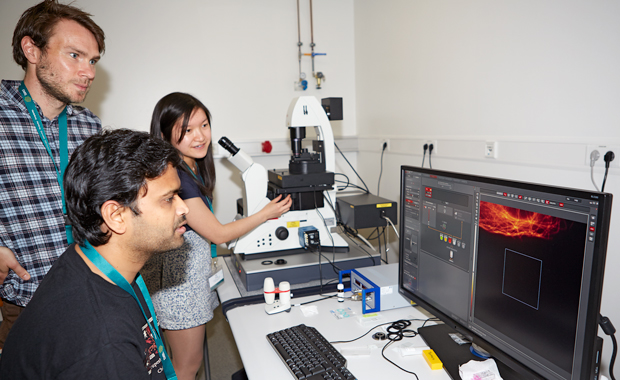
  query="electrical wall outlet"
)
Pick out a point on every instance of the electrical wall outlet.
point(602, 149)
point(490, 149)
point(434, 142)
point(385, 141)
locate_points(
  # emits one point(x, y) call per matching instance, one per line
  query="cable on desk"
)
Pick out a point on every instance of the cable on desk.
point(317, 300)
point(382, 324)
point(396, 332)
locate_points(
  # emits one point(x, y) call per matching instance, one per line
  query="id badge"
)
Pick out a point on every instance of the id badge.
point(217, 278)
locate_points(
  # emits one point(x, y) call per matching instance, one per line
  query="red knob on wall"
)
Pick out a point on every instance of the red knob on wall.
point(266, 146)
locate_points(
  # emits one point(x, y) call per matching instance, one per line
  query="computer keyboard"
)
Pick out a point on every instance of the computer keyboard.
point(308, 355)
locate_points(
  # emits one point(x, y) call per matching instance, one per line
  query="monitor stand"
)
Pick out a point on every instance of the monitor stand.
point(452, 355)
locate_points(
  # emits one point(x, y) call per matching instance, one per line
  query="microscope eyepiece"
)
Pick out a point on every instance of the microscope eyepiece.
point(228, 145)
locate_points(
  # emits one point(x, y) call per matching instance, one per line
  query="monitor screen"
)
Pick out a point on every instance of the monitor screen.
point(517, 267)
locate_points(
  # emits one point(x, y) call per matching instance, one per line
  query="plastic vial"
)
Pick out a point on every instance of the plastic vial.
point(340, 292)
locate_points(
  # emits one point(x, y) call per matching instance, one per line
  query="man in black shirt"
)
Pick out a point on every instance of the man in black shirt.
point(82, 322)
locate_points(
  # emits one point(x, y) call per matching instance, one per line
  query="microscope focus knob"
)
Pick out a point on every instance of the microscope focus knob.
point(281, 233)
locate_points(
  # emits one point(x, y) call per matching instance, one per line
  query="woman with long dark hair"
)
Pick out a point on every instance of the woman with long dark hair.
point(178, 280)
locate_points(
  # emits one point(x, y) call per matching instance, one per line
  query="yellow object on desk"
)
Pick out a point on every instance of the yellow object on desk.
point(432, 359)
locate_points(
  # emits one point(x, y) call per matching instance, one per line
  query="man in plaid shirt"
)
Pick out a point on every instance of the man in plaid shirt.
point(58, 46)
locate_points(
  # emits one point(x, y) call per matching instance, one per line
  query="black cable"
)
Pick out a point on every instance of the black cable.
point(396, 332)
point(376, 229)
point(350, 185)
point(424, 155)
point(320, 267)
point(335, 268)
point(381, 324)
point(345, 176)
point(381, 171)
point(316, 300)
point(604, 179)
point(385, 244)
point(612, 362)
point(346, 229)
point(430, 153)
point(358, 176)
point(352, 237)
point(327, 228)
point(609, 329)
point(609, 157)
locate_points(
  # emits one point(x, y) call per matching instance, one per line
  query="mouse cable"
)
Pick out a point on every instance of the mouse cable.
point(355, 171)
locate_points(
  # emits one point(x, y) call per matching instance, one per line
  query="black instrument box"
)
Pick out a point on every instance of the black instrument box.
point(366, 211)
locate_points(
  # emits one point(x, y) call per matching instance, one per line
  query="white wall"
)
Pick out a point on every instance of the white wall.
point(540, 78)
point(238, 56)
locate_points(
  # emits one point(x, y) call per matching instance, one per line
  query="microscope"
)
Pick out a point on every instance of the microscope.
point(309, 180)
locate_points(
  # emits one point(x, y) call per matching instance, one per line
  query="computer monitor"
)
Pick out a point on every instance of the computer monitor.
point(517, 268)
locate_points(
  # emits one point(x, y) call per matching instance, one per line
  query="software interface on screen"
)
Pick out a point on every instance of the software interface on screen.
point(507, 263)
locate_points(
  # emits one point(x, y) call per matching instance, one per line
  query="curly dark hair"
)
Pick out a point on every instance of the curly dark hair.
point(38, 23)
point(111, 165)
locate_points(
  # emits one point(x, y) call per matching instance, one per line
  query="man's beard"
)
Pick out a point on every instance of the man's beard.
point(53, 88)
point(148, 246)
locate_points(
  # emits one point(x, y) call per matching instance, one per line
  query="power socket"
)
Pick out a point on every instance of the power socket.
point(384, 141)
point(602, 149)
point(490, 149)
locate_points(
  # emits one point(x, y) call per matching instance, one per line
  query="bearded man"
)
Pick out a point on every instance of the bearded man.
point(58, 46)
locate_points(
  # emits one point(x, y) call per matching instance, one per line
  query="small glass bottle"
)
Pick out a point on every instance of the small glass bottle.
point(340, 292)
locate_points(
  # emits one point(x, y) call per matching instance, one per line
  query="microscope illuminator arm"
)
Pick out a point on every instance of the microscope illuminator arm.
point(254, 177)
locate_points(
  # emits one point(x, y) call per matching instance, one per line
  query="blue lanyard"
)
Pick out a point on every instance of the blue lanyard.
point(64, 150)
point(199, 178)
point(119, 280)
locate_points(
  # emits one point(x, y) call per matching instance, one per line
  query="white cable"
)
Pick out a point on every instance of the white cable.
point(392, 224)
point(592, 177)
point(366, 241)
point(594, 156)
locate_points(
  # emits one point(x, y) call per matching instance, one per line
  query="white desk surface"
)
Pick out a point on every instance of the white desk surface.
point(250, 325)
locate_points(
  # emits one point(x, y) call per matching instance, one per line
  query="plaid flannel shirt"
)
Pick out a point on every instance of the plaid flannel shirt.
point(31, 220)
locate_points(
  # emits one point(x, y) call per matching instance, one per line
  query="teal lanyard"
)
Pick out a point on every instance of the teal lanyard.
point(119, 280)
point(64, 150)
point(199, 178)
